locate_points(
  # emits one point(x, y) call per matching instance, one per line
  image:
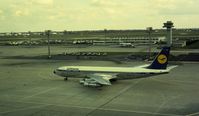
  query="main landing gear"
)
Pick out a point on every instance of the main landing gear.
point(65, 79)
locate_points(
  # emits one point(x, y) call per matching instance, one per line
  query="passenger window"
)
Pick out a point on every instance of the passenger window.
point(73, 69)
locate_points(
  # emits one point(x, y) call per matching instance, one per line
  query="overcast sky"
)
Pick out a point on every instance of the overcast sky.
point(39, 15)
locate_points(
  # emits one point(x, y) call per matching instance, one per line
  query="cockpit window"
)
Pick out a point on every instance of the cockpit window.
point(60, 70)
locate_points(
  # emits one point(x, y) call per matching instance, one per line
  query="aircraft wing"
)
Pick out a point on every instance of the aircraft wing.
point(171, 67)
point(103, 79)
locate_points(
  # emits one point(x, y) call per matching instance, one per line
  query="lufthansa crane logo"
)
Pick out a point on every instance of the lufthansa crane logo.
point(162, 59)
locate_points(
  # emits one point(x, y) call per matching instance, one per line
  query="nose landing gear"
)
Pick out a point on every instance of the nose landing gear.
point(65, 79)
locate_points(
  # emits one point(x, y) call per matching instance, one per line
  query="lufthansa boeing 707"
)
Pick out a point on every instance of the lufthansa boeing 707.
point(99, 76)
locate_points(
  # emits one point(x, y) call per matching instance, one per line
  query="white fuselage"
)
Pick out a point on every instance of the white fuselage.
point(81, 71)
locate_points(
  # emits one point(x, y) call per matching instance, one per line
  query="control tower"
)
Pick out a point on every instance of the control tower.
point(169, 26)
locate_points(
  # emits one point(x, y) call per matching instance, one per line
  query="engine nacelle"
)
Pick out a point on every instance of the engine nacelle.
point(89, 83)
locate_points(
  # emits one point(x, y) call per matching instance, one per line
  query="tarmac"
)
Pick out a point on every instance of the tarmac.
point(28, 87)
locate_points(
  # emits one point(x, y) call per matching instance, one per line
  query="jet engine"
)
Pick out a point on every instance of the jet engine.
point(89, 82)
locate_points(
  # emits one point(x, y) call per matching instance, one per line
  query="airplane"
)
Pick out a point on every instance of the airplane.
point(100, 76)
point(127, 45)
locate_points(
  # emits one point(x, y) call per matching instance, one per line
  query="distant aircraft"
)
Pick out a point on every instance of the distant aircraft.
point(127, 45)
point(99, 76)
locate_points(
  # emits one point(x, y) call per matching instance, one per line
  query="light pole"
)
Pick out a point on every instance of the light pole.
point(48, 37)
point(169, 26)
point(29, 34)
point(149, 30)
point(105, 35)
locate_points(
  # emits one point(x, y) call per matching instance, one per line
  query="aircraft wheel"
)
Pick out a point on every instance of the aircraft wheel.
point(65, 78)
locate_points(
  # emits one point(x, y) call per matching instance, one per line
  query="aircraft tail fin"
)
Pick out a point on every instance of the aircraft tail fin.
point(161, 60)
